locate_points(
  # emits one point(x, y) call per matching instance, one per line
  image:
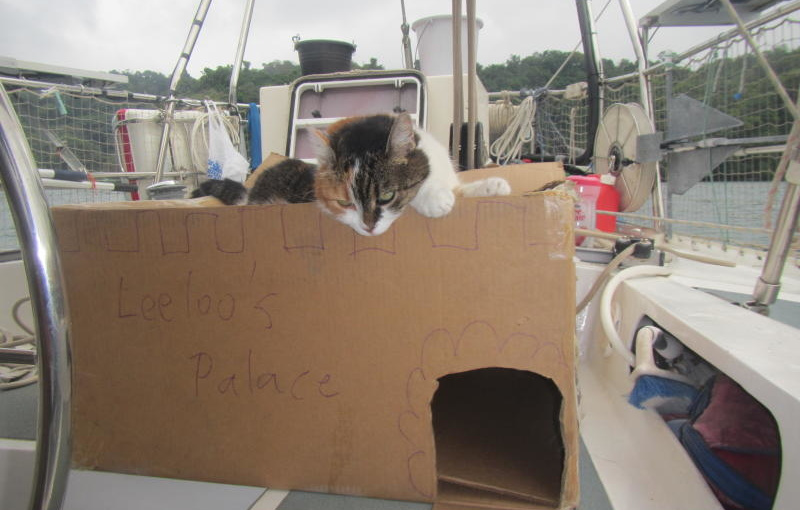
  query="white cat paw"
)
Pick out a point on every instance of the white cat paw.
point(490, 187)
point(497, 186)
point(435, 204)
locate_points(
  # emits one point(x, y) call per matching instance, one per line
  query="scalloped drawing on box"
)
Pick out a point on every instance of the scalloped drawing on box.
point(272, 346)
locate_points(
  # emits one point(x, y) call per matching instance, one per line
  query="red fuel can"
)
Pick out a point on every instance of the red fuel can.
point(597, 193)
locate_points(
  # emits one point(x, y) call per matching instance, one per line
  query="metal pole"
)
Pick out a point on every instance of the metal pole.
point(769, 283)
point(659, 204)
point(762, 61)
point(458, 84)
point(641, 62)
point(594, 76)
point(597, 53)
point(180, 67)
point(647, 101)
point(237, 61)
point(668, 203)
point(409, 59)
point(43, 268)
point(772, 15)
point(472, 87)
point(17, 356)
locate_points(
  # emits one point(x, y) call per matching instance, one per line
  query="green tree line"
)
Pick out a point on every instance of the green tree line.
point(514, 74)
point(740, 88)
point(734, 85)
point(214, 83)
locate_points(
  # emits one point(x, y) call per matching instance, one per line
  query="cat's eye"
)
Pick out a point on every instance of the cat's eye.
point(385, 197)
point(345, 203)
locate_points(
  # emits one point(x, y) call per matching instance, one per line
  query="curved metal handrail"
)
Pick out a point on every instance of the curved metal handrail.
point(39, 249)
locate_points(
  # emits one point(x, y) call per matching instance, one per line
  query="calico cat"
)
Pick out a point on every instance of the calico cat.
point(369, 169)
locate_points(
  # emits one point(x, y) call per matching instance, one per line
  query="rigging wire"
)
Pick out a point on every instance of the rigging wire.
point(409, 60)
point(574, 49)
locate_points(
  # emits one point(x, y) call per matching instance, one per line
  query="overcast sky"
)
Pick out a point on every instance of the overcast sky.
point(101, 35)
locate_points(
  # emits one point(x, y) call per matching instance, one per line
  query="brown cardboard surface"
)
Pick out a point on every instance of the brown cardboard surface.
point(522, 178)
point(147, 205)
point(273, 346)
point(459, 497)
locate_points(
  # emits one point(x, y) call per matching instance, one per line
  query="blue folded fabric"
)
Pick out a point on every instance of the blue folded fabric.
point(667, 396)
point(717, 472)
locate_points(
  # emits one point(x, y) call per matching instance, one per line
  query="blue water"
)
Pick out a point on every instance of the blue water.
point(739, 204)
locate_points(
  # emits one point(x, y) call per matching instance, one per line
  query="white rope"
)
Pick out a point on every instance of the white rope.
point(601, 278)
point(15, 375)
point(520, 131)
point(572, 112)
point(500, 115)
point(198, 139)
point(691, 223)
point(659, 245)
point(783, 165)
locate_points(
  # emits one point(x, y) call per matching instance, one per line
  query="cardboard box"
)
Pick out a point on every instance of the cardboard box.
point(273, 346)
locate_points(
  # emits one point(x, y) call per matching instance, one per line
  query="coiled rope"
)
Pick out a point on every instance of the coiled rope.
point(198, 138)
point(14, 375)
point(508, 147)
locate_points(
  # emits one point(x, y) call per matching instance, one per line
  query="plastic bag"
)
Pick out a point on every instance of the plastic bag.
point(224, 161)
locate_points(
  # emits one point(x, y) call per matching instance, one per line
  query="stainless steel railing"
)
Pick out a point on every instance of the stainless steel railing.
point(177, 73)
point(37, 238)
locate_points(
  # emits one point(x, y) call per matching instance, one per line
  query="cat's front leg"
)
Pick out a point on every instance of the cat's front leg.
point(489, 187)
point(434, 201)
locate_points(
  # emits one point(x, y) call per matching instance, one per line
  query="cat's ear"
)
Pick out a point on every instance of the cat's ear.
point(402, 139)
point(322, 147)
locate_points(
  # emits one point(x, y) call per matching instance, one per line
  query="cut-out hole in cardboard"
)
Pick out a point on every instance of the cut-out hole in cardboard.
point(498, 438)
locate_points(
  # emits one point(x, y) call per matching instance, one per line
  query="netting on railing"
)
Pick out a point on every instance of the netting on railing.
point(728, 78)
point(107, 132)
point(82, 122)
point(561, 126)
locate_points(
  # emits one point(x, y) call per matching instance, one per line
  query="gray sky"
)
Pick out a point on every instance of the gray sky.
point(102, 35)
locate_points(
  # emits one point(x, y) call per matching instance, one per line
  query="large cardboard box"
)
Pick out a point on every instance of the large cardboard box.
point(272, 346)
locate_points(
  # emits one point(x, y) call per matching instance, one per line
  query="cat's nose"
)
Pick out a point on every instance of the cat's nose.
point(368, 226)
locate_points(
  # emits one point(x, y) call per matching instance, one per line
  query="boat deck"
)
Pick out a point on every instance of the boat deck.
point(92, 490)
point(787, 312)
point(603, 451)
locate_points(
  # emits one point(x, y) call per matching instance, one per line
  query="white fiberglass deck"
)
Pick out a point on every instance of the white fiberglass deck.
point(629, 458)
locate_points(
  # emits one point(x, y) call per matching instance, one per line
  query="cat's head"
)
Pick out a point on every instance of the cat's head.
point(369, 169)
